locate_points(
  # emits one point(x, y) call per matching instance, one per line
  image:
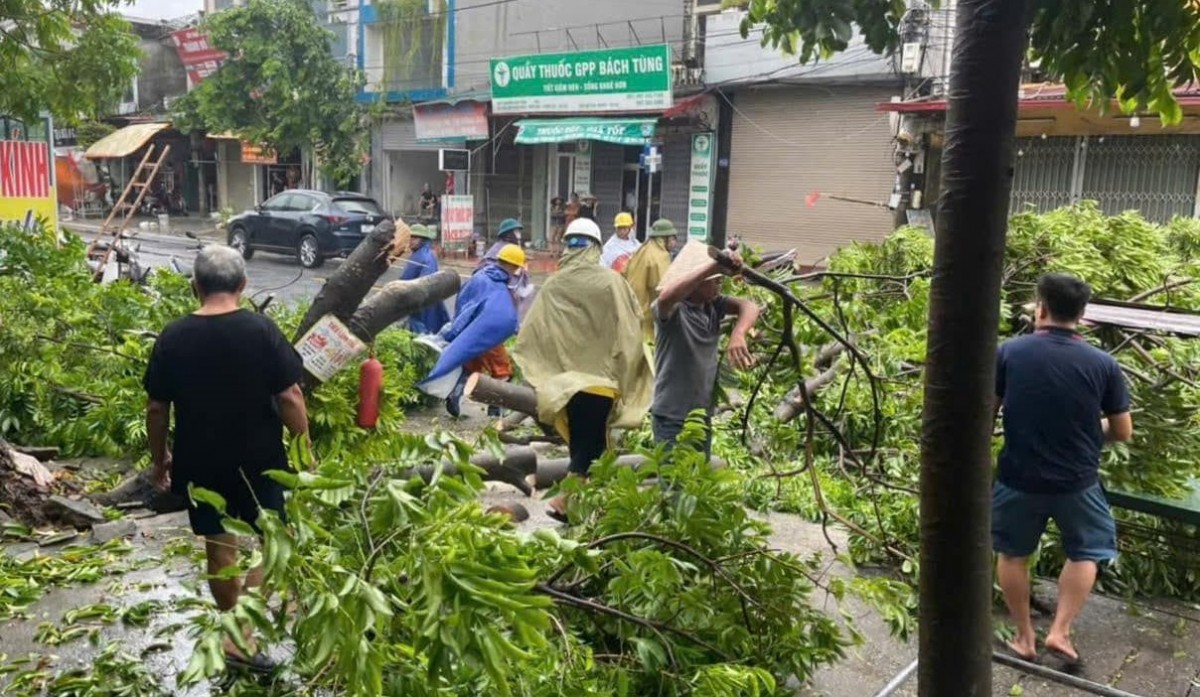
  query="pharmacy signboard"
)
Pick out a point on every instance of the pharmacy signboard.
point(637, 78)
point(700, 187)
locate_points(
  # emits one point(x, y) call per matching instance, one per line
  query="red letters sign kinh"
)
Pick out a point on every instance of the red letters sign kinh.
point(24, 169)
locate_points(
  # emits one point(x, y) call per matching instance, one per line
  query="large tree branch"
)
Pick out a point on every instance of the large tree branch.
point(400, 299)
point(347, 287)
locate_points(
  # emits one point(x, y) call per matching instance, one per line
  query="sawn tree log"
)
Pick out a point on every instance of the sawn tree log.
point(498, 393)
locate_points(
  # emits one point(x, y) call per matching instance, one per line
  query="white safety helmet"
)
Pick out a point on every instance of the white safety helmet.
point(584, 227)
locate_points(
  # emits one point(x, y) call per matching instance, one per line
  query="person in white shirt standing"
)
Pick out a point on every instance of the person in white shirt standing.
point(620, 246)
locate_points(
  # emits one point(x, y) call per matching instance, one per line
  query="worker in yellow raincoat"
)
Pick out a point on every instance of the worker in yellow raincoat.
point(648, 266)
point(580, 348)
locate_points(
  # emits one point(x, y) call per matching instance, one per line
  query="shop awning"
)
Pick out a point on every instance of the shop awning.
point(125, 141)
point(618, 131)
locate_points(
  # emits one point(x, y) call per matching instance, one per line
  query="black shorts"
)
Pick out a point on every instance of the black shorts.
point(242, 502)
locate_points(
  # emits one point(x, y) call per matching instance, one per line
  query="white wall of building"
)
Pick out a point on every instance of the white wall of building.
point(728, 58)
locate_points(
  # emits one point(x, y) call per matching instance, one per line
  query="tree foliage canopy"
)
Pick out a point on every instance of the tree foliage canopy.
point(1137, 52)
point(281, 86)
point(72, 58)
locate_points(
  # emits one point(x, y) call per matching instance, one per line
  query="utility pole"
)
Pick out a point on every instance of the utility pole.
point(720, 195)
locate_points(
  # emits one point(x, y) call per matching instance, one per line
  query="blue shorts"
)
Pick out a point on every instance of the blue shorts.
point(1089, 532)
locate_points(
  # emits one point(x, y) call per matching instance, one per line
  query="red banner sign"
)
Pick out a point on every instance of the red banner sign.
point(24, 169)
point(462, 121)
point(199, 59)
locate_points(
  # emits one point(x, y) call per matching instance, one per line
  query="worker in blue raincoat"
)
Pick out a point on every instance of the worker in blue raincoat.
point(423, 262)
point(510, 233)
point(484, 318)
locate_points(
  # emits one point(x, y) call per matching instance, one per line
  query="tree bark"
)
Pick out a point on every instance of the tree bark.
point(399, 299)
point(964, 314)
point(518, 464)
point(346, 288)
point(498, 393)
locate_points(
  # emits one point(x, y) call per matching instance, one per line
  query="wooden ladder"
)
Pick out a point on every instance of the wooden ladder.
point(137, 183)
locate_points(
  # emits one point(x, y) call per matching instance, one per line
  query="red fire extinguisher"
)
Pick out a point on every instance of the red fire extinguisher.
point(370, 385)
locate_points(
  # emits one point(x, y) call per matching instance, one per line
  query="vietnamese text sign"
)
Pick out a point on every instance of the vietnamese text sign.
point(700, 187)
point(257, 155)
point(620, 79)
point(618, 131)
point(328, 347)
point(582, 181)
point(443, 122)
point(458, 219)
point(25, 192)
point(198, 57)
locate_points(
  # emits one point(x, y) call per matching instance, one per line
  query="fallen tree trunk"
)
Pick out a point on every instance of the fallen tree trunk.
point(498, 393)
point(515, 468)
point(400, 299)
point(346, 288)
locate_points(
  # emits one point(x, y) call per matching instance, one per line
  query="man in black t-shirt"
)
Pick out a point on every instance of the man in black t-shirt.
point(232, 379)
point(1062, 399)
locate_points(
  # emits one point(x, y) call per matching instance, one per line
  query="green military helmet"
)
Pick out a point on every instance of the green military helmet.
point(663, 228)
point(423, 231)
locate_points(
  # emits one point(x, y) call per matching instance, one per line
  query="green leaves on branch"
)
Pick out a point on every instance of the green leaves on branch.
point(879, 294)
point(67, 57)
point(281, 86)
point(1137, 53)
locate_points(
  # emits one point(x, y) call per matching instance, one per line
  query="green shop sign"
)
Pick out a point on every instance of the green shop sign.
point(619, 131)
point(620, 79)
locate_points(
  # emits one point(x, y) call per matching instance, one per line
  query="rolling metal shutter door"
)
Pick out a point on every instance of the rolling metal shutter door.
point(790, 142)
point(398, 134)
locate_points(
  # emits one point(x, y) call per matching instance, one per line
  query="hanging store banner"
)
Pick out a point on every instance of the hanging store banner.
point(637, 78)
point(618, 131)
point(436, 123)
point(26, 194)
point(328, 347)
point(700, 187)
point(199, 59)
point(458, 219)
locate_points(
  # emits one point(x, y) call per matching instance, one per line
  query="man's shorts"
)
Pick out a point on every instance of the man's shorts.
point(242, 502)
point(1084, 520)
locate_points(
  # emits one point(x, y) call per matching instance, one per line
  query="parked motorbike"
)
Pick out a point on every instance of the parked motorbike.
point(124, 261)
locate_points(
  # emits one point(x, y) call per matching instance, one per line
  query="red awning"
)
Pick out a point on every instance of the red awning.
point(1043, 95)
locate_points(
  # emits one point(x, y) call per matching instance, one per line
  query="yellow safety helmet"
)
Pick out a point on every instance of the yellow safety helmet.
point(512, 254)
point(624, 220)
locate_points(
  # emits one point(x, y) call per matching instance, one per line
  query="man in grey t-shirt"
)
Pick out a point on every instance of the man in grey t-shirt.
point(687, 319)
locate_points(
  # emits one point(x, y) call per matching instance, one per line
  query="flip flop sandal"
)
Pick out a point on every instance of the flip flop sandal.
point(1067, 659)
point(258, 663)
point(1018, 655)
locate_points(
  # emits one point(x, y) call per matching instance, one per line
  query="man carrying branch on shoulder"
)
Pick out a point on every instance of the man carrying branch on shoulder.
point(687, 316)
point(233, 381)
point(1062, 400)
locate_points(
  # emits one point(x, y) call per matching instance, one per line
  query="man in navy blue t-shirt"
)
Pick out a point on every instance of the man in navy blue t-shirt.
point(1062, 399)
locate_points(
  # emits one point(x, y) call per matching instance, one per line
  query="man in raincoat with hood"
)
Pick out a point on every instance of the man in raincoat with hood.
point(648, 266)
point(580, 348)
point(423, 262)
point(484, 318)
